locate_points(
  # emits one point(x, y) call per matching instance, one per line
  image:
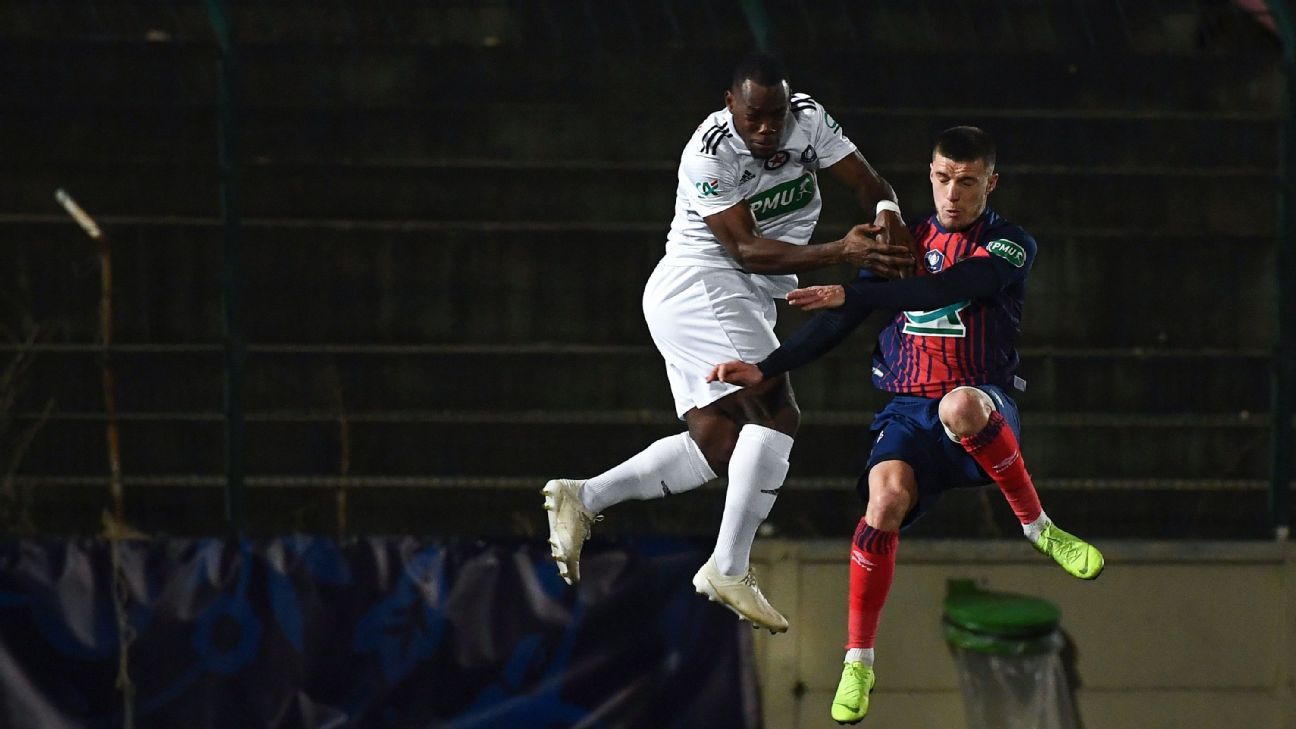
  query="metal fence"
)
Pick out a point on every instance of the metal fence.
point(125, 99)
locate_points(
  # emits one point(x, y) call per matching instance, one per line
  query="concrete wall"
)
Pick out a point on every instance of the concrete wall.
point(1183, 635)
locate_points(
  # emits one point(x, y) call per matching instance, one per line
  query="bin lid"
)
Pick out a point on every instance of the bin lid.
point(999, 622)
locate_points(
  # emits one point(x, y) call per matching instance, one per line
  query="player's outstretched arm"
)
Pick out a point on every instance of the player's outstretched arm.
point(735, 228)
point(970, 279)
point(814, 298)
point(808, 343)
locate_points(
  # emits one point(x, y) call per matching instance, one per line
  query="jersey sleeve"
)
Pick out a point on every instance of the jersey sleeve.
point(830, 141)
point(967, 279)
point(709, 182)
point(1011, 249)
point(815, 338)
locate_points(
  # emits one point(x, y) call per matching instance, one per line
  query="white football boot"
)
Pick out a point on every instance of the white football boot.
point(569, 525)
point(741, 595)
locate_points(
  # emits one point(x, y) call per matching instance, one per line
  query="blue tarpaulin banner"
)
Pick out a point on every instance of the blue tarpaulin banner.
point(367, 632)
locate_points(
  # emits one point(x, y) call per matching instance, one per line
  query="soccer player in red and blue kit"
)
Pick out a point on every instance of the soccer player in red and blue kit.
point(950, 358)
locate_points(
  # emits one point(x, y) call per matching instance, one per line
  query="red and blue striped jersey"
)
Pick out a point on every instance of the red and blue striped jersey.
point(971, 342)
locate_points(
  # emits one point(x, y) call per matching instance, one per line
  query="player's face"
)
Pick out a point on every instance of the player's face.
point(759, 114)
point(960, 190)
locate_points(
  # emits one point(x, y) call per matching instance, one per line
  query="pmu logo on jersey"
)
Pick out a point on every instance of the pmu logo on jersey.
point(778, 159)
point(934, 260)
point(707, 188)
point(784, 198)
point(1010, 251)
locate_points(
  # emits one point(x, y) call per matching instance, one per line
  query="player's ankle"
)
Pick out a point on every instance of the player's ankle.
point(1034, 529)
point(863, 655)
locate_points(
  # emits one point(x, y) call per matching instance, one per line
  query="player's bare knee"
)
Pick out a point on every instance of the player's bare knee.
point(717, 457)
point(772, 405)
point(965, 411)
point(788, 419)
point(893, 491)
point(717, 445)
point(715, 434)
point(787, 416)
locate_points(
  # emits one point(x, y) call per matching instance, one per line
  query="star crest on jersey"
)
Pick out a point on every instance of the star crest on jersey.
point(778, 159)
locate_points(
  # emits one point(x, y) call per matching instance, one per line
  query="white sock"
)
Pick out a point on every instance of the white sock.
point(860, 654)
point(672, 465)
point(756, 471)
point(1033, 529)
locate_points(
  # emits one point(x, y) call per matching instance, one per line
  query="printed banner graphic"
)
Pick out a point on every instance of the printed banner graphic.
point(374, 632)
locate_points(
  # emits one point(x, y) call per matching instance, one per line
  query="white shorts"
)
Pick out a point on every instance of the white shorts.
point(700, 317)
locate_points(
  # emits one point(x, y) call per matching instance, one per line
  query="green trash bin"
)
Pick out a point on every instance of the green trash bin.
point(1008, 648)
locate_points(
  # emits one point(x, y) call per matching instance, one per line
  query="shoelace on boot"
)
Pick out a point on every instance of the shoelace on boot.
point(588, 521)
point(855, 686)
point(1068, 550)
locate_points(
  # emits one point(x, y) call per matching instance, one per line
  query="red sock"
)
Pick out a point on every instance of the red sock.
point(995, 449)
point(872, 565)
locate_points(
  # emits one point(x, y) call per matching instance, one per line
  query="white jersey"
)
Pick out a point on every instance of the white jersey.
point(717, 171)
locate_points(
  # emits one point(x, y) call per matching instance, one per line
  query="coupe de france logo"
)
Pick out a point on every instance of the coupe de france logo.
point(935, 261)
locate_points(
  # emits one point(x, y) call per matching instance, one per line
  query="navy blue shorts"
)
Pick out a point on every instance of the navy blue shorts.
point(908, 429)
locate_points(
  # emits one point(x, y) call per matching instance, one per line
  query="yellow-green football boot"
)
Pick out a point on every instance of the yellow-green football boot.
point(1078, 557)
point(852, 700)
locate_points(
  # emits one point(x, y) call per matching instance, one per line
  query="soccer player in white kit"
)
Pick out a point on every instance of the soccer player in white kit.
point(746, 205)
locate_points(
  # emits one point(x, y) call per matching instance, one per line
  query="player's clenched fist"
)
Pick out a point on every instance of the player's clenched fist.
point(868, 246)
point(811, 298)
point(736, 373)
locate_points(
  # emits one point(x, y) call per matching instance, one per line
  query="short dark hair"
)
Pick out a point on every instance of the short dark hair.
point(763, 68)
point(966, 144)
